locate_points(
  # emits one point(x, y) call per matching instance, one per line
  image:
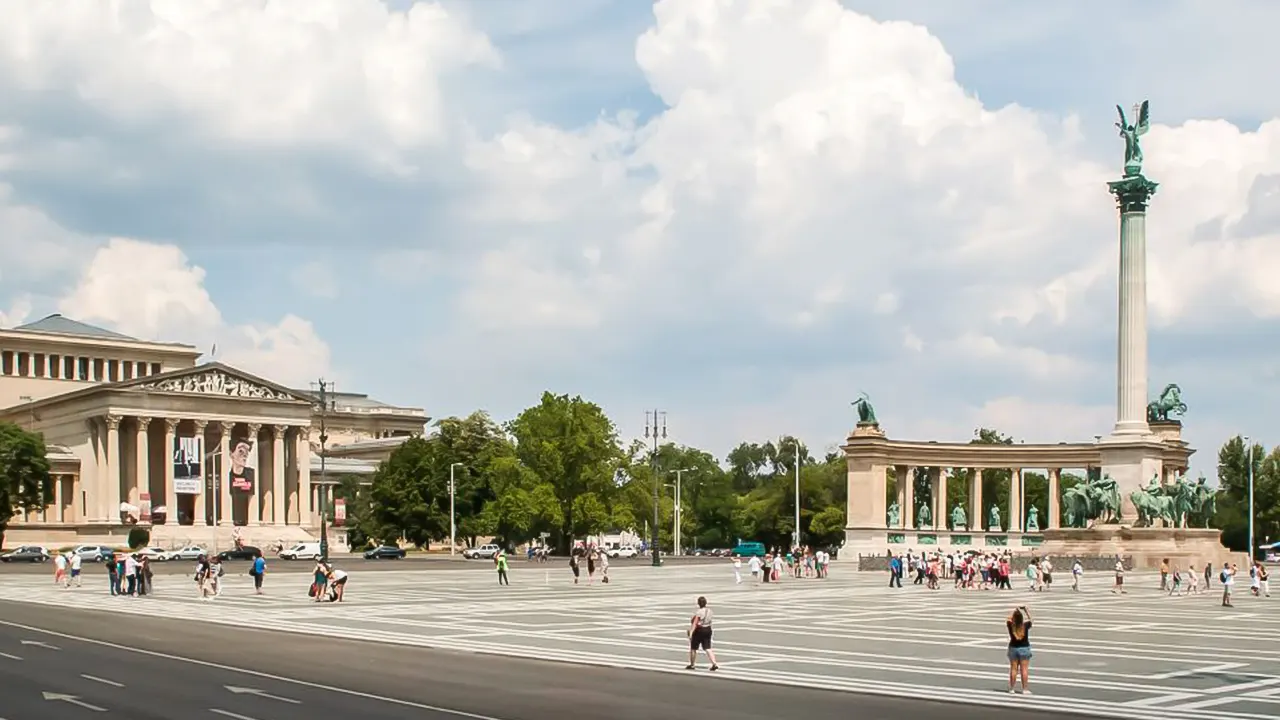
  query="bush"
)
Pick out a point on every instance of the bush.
point(139, 537)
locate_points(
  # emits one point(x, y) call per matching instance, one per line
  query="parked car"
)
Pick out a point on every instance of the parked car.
point(748, 549)
point(484, 552)
point(94, 553)
point(152, 553)
point(623, 551)
point(384, 552)
point(190, 552)
point(26, 553)
point(302, 551)
point(248, 552)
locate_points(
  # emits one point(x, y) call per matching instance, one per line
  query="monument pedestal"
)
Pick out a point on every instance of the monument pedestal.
point(1146, 547)
point(1131, 460)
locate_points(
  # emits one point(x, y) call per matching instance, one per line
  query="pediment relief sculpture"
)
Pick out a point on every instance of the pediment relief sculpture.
point(216, 382)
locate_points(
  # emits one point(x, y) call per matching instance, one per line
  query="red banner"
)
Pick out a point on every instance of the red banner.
point(339, 511)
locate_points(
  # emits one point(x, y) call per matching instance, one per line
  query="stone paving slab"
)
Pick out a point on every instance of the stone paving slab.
point(1140, 655)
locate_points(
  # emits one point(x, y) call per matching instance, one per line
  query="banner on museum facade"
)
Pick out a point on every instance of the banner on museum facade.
point(244, 464)
point(339, 512)
point(188, 460)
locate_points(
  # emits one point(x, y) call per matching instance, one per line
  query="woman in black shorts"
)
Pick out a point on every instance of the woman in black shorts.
point(573, 565)
point(700, 635)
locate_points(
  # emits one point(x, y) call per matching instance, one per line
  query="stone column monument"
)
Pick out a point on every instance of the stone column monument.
point(1132, 453)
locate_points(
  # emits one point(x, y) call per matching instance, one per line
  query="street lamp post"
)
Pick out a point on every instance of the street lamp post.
point(453, 528)
point(1250, 444)
point(323, 485)
point(796, 544)
point(676, 539)
point(655, 425)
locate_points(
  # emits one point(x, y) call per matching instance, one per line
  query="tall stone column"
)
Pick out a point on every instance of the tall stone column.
point(141, 463)
point(1132, 195)
point(909, 497)
point(112, 480)
point(255, 497)
point(277, 474)
point(1055, 495)
point(59, 509)
point(93, 501)
point(76, 514)
point(941, 517)
point(222, 480)
point(199, 516)
point(1017, 523)
point(303, 460)
point(170, 492)
point(977, 515)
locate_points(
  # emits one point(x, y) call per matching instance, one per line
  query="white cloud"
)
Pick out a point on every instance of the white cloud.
point(17, 313)
point(1028, 361)
point(153, 292)
point(316, 278)
point(285, 72)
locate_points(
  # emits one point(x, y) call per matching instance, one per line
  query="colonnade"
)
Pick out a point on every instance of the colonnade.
point(136, 454)
point(976, 512)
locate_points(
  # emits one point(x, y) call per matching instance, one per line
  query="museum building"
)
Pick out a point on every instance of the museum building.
point(142, 432)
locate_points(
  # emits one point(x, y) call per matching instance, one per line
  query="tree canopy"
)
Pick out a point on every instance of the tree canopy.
point(24, 473)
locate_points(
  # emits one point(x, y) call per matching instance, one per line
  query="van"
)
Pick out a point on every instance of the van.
point(748, 549)
point(302, 551)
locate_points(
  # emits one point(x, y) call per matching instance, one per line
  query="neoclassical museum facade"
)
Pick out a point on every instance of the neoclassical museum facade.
point(141, 432)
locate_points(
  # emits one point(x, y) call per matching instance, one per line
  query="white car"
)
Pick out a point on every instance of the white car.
point(153, 553)
point(625, 551)
point(302, 551)
point(190, 552)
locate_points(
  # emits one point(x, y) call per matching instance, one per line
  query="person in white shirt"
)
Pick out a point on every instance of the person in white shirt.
point(778, 566)
point(1077, 570)
point(1228, 576)
point(131, 575)
point(60, 569)
point(754, 565)
point(737, 571)
point(337, 584)
point(75, 570)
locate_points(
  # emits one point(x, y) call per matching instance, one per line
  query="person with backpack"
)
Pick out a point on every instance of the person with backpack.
point(500, 562)
point(1227, 577)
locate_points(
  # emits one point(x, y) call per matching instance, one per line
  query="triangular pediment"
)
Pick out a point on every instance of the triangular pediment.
point(213, 379)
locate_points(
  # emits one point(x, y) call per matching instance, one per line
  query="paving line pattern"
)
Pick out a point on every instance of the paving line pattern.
point(1137, 656)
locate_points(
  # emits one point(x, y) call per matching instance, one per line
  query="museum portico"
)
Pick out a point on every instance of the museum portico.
point(177, 445)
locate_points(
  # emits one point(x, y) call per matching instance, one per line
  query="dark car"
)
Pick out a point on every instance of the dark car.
point(26, 553)
point(243, 553)
point(384, 552)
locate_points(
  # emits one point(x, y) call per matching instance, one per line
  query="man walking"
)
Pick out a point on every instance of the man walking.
point(500, 560)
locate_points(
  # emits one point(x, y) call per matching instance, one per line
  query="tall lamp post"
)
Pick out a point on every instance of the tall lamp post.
point(326, 404)
point(796, 544)
point(655, 425)
point(679, 507)
point(453, 528)
point(1250, 461)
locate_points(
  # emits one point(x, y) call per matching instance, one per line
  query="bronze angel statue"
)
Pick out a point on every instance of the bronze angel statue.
point(1131, 133)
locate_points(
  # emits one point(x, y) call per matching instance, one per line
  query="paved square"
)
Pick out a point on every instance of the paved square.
point(1142, 655)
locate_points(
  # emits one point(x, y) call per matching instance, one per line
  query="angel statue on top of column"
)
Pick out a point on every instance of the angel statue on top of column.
point(1131, 133)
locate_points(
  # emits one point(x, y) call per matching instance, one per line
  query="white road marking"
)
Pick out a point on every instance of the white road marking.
point(259, 693)
point(104, 681)
point(72, 700)
point(37, 643)
point(227, 713)
point(1197, 671)
point(11, 657)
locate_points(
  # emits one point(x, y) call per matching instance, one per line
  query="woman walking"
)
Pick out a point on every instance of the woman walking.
point(700, 635)
point(1019, 627)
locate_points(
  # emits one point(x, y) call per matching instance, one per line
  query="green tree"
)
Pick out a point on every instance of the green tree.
point(523, 505)
point(1232, 512)
point(24, 473)
point(573, 447)
point(995, 481)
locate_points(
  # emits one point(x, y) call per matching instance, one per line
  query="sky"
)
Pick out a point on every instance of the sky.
point(742, 213)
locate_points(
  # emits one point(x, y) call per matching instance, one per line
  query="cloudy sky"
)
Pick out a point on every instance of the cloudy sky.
point(742, 212)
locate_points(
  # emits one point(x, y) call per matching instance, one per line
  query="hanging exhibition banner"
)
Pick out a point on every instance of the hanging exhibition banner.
point(244, 465)
point(188, 458)
point(339, 512)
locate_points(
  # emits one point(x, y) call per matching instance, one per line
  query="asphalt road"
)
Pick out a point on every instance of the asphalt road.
point(413, 561)
point(95, 664)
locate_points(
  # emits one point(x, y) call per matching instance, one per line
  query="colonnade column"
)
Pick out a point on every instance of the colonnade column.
point(303, 460)
point(909, 497)
point(277, 474)
point(59, 513)
point(255, 495)
point(221, 481)
point(141, 464)
point(941, 518)
point(170, 492)
point(1055, 503)
point(1016, 522)
point(976, 517)
point(111, 495)
point(198, 516)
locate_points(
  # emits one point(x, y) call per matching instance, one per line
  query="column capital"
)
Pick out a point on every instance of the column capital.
point(144, 421)
point(171, 424)
point(226, 427)
point(201, 425)
point(278, 431)
point(112, 422)
point(254, 429)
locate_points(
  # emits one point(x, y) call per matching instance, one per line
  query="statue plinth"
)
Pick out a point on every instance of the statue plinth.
point(1147, 546)
point(1169, 431)
point(867, 429)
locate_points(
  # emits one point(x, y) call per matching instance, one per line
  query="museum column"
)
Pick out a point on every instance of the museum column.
point(222, 480)
point(254, 511)
point(1055, 503)
point(170, 492)
point(198, 514)
point(112, 481)
point(59, 514)
point(93, 495)
point(940, 517)
point(277, 474)
point(303, 460)
point(1016, 522)
point(141, 464)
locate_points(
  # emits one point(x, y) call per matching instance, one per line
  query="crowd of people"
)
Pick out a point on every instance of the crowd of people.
point(799, 562)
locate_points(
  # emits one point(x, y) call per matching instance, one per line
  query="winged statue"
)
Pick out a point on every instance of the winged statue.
point(1131, 133)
